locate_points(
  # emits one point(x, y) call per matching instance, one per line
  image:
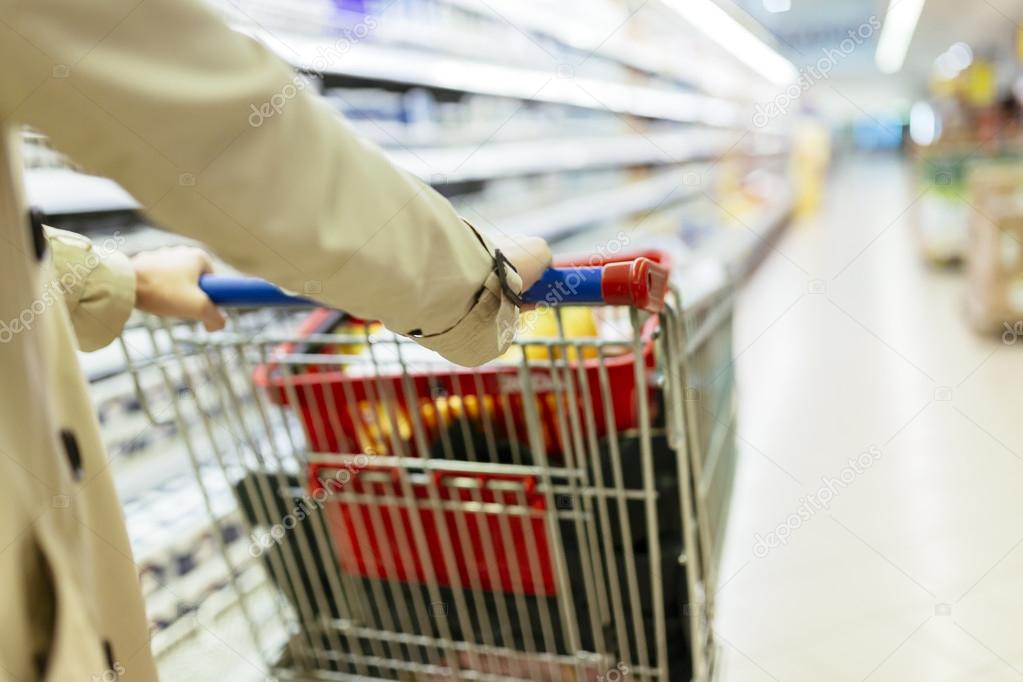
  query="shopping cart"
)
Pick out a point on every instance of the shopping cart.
point(533, 519)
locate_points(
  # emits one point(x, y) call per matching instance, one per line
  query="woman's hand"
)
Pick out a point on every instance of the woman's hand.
point(167, 284)
point(530, 255)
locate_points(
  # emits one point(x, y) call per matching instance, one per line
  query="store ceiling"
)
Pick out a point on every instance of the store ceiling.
point(810, 28)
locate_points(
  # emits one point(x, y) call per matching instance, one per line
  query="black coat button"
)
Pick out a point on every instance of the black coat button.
point(42, 661)
point(35, 217)
point(108, 650)
point(74, 455)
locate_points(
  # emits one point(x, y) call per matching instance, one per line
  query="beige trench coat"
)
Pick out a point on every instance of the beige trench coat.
point(158, 95)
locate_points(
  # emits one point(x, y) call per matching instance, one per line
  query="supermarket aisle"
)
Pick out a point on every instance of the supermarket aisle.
point(904, 564)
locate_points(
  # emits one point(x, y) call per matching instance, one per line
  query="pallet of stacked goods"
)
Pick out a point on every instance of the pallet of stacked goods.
point(995, 253)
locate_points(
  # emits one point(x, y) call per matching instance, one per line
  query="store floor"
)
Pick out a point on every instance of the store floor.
point(907, 564)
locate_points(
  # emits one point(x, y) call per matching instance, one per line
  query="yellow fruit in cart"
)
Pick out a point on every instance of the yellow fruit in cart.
point(542, 323)
point(379, 424)
point(350, 329)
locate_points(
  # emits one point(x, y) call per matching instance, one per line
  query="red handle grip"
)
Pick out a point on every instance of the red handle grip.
point(640, 283)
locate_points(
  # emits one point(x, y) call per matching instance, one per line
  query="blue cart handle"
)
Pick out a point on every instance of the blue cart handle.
point(640, 283)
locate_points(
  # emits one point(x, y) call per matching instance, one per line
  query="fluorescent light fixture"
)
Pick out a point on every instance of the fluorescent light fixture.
point(945, 66)
point(897, 33)
point(952, 61)
point(924, 125)
point(961, 54)
point(777, 6)
point(722, 28)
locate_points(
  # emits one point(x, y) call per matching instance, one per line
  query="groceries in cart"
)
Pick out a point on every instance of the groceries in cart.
point(363, 368)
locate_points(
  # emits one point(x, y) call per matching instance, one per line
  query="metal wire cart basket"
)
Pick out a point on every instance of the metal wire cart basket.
point(538, 518)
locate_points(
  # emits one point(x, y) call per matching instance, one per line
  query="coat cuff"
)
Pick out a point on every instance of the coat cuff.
point(97, 286)
point(107, 303)
point(487, 329)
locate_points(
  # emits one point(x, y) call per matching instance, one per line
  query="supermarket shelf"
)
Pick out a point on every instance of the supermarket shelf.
point(736, 254)
point(186, 645)
point(62, 191)
point(743, 247)
point(655, 60)
point(559, 220)
point(587, 36)
point(504, 159)
point(417, 67)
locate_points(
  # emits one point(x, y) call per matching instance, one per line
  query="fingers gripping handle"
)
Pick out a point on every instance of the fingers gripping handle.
point(640, 283)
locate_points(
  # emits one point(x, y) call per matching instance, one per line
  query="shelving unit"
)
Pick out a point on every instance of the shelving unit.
point(505, 159)
point(374, 63)
point(715, 78)
point(63, 191)
point(558, 220)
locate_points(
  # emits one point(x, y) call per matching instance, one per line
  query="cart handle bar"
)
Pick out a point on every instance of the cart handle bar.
point(640, 283)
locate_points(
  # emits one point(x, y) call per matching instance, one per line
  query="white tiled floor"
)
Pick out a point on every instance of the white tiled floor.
point(915, 569)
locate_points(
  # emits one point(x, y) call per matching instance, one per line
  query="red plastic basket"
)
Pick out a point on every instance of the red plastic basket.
point(376, 538)
point(347, 414)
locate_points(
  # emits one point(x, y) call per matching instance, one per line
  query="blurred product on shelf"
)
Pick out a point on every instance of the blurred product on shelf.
point(811, 155)
point(995, 253)
point(941, 215)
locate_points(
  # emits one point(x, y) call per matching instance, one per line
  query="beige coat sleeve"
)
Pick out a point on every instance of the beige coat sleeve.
point(96, 283)
point(222, 142)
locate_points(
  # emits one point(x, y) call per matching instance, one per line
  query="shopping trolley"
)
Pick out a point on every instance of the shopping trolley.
point(532, 519)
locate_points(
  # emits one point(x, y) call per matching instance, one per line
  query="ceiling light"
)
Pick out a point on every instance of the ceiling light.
point(946, 67)
point(777, 6)
point(897, 33)
point(924, 124)
point(722, 28)
point(961, 55)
